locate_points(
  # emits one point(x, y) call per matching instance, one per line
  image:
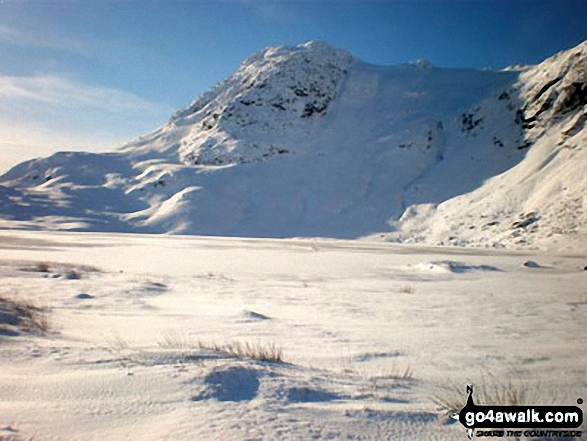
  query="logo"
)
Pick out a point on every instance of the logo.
point(539, 421)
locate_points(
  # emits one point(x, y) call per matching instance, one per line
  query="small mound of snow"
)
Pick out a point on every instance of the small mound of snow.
point(450, 266)
point(8, 331)
point(410, 417)
point(308, 395)
point(84, 296)
point(73, 275)
point(155, 287)
point(432, 267)
point(234, 383)
point(369, 356)
point(8, 316)
point(253, 316)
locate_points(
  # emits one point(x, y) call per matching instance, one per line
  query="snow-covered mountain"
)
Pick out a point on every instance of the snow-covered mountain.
point(310, 141)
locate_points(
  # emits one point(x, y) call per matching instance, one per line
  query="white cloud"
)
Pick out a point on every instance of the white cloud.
point(272, 11)
point(16, 36)
point(59, 91)
point(43, 114)
point(97, 49)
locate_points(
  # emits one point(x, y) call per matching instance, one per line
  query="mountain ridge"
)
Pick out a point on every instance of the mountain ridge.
point(310, 141)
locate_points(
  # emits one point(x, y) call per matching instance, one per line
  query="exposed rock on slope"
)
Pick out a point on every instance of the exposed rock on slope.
point(542, 200)
point(555, 88)
point(309, 141)
point(274, 94)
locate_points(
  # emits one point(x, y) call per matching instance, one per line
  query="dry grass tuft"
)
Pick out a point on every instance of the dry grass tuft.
point(402, 374)
point(490, 391)
point(23, 314)
point(406, 289)
point(42, 267)
point(116, 342)
point(174, 340)
point(268, 352)
point(71, 272)
point(380, 386)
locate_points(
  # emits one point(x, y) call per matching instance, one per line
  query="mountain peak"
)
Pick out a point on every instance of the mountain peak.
point(320, 44)
point(556, 87)
point(309, 48)
point(281, 90)
point(306, 141)
point(421, 63)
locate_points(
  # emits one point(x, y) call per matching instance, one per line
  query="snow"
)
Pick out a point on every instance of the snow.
point(466, 187)
point(122, 360)
point(308, 141)
point(547, 187)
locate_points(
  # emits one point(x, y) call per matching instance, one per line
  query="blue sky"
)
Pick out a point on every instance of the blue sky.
point(86, 75)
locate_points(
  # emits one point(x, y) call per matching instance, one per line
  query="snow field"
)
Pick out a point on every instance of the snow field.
point(369, 334)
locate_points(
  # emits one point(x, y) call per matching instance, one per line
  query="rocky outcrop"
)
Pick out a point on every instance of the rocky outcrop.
point(279, 91)
point(556, 88)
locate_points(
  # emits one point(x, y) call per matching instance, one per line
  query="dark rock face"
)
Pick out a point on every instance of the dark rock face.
point(572, 96)
point(558, 92)
point(281, 90)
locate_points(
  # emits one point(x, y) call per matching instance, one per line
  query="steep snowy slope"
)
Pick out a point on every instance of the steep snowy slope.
point(309, 141)
point(541, 201)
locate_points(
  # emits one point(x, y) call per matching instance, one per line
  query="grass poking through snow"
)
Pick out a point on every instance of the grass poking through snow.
point(267, 352)
point(22, 315)
point(490, 391)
